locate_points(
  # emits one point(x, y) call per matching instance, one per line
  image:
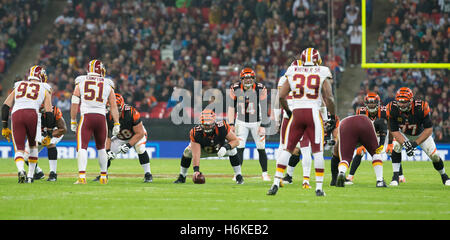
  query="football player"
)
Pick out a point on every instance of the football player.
point(354, 130)
point(374, 110)
point(49, 141)
point(25, 100)
point(132, 134)
point(411, 126)
point(91, 94)
point(310, 85)
point(210, 138)
point(248, 115)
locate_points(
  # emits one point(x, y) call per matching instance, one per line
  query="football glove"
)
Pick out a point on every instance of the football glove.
point(110, 155)
point(379, 150)
point(46, 141)
point(360, 151)
point(409, 147)
point(389, 148)
point(222, 151)
point(6, 132)
point(124, 148)
point(73, 125)
point(116, 129)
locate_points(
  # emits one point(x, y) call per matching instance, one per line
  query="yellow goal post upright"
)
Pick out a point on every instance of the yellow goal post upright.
point(364, 64)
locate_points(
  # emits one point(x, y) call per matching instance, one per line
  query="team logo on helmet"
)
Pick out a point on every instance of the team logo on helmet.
point(207, 120)
point(311, 57)
point(96, 67)
point(404, 98)
point(120, 102)
point(248, 77)
point(37, 73)
point(372, 101)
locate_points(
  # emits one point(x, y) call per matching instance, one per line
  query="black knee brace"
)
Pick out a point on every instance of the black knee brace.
point(185, 162)
point(294, 160)
point(234, 160)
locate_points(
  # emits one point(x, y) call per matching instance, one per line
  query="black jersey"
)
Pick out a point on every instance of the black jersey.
point(128, 118)
point(247, 103)
point(412, 122)
point(212, 142)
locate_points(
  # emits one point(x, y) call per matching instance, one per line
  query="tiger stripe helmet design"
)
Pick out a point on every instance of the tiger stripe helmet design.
point(120, 102)
point(96, 67)
point(37, 73)
point(248, 77)
point(311, 57)
point(207, 120)
point(372, 102)
point(404, 95)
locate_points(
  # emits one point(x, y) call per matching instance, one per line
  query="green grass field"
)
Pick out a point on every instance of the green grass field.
point(125, 196)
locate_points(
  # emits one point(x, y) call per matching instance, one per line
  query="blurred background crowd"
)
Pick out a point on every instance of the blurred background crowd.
point(150, 48)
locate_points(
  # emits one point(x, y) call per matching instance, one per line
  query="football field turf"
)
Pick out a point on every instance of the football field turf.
point(125, 196)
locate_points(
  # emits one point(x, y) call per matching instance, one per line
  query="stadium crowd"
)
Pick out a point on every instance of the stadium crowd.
point(416, 32)
point(150, 47)
point(17, 18)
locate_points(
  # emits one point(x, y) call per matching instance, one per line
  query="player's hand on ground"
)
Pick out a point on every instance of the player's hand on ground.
point(124, 148)
point(116, 129)
point(222, 151)
point(6, 133)
point(73, 125)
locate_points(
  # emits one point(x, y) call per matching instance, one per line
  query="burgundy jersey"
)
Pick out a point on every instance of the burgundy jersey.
point(128, 118)
point(412, 122)
point(247, 102)
point(212, 142)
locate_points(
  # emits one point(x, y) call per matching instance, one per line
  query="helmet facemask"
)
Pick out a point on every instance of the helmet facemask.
point(248, 81)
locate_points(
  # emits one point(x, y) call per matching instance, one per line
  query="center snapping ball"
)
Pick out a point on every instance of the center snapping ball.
point(200, 179)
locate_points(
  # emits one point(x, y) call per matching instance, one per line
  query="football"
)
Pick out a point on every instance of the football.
point(200, 179)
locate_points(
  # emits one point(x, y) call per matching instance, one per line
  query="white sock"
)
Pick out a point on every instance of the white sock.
point(53, 164)
point(306, 161)
point(146, 167)
point(290, 170)
point(32, 161)
point(38, 169)
point(343, 166)
point(237, 170)
point(82, 162)
point(103, 160)
point(319, 167)
point(282, 163)
point(183, 171)
point(377, 164)
point(20, 161)
point(396, 167)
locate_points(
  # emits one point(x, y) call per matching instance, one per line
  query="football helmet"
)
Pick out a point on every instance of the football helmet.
point(248, 77)
point(372, 102)
point(38, 73)
point(96, 67)
point(311, 57)
point(404, 98)
point(120, 102)
point(207, 120)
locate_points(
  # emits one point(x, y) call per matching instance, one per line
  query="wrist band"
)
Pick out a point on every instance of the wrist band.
point(196, 168)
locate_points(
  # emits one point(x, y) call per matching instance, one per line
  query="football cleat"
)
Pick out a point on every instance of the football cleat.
point(239, 179)
point(445, 179)
point(402, 179)
point(306, 185)
point(393, 183)
point(381, 183)
point(80, 181)
point(349, 181)
point(29, 180)
point(340, 182)
point(320, 193)
point(333, 182)
point(395, 180)
point(96, 179)
point(22, 175)
point(287, 179)
point(148, 177)
point(180, 179)
point(265, 176)
point(273, 190)
point(103, 180)
point(52, 177)
point(38, 176)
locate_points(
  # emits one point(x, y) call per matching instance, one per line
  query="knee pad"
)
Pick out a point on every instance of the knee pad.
point(397, 147)
point(232, 152)
point(187, 152)
point(140, 149)
point(435, 157)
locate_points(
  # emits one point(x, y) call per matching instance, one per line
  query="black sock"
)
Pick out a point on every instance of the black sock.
point(234, 160)
point(52, 153)
point(355, 164)
point(185, 162)
point(401, 170)
point(241, 155)
point(263, 159)
point(143, 158)
point(439, 165)
point(294, 160)
point(109, 163)
point(334, 168)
